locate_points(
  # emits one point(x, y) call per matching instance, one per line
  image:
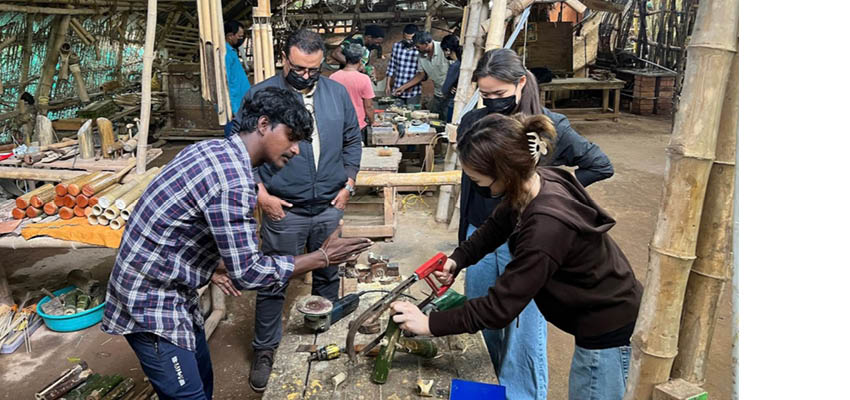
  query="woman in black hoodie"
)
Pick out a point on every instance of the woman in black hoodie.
point(563, 257)
point(518, 351)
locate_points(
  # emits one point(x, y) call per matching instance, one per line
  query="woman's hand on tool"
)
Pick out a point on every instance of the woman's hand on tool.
point(340, 250)
point(410, 318)
point(447, 275)
point(223, 281)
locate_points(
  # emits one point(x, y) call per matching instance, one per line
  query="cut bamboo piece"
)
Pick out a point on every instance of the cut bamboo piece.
point(96, 198)
point(33, 212)
point(102, 220)
point(86, 139)
point(66, 213)
point(18, 213)
point(79, 83)
point(79, 211)
point(89, 211)
point(64, 56)
point(96, 186)
point(147, 70)
point(50, 208)
point(92, 219)
point(38, 200)
point(81, 32)
point(690, 157)
point(96, 210)
point(125, 213)
point(62, 187)
point(43, 130)
point(107, 137)
point(24, 201)
point(711, 270)
point(111, 212)
point(69, 201)
point(137, 190)
point(77, 187)
point(82, 201)
point(117, 223)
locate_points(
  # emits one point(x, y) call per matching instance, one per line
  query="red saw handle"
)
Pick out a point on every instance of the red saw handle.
point(424, 271)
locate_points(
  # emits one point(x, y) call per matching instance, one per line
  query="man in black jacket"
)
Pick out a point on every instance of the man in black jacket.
point(303, 203)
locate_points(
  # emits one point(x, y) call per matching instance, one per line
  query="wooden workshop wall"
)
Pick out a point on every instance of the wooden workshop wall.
point(550, 46)
point(97, 61)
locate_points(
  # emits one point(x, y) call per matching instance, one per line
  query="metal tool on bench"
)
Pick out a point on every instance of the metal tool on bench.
point(320, 313)
point(325, 353)
point(424, 272)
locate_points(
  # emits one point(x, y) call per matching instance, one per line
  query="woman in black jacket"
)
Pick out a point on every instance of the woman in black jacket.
point(518, 351)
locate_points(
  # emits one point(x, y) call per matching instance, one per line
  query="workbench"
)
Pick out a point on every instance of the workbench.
point(605, 86)
point(388, 136)
point(59, 170)
point(365, 215)
point(294, 377)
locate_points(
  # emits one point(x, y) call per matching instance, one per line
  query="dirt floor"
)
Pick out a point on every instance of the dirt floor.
point(635, 145)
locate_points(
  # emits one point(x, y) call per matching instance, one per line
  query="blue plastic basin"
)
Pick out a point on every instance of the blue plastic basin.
point(69, 323)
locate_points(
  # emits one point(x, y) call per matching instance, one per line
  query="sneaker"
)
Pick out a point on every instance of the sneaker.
point(261, 368)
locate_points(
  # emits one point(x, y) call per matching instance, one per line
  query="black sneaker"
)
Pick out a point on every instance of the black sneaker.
point(261, 368)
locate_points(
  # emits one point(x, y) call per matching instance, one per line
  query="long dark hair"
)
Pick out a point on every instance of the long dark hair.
point(506, 66)
point(498, 146)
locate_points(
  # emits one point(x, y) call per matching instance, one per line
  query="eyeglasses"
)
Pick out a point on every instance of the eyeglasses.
point(301, 70)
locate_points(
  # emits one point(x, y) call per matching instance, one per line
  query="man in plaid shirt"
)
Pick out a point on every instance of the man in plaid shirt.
point(193, 224)
point(402, 67)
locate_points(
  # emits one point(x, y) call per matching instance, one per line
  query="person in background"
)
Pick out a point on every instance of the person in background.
point(303, 203)
point(403, 65)
point(432, 65)
point(451, 48)
point(194, 224)
point(358, 85)
point(518, 351)
point(563, 258)
point(237, 80)
point(371, 39)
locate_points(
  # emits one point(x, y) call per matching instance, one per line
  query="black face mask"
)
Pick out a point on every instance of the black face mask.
point(505, 105)
point(373, 46)
point(485, 191)
point(407, 44)
point(299, 82)
point(239, 43)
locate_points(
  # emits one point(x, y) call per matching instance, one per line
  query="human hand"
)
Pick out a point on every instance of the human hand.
point(220, 279)
point(341, 199)
point(272, 206)
point(410, 318)
point(397, 92)
point(447, 276)
point(340, 250)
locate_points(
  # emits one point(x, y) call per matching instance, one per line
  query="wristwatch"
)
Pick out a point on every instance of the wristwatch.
point(350, 189)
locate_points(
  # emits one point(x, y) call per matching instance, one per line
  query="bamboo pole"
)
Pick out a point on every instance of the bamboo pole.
point(92, 218)
point(202, 35)
point(690, 156)
point(58, 31)
point(62, 187)
point(43, 130)
point(470, 57)
point(147, 70)
point(23, 201)
point(64, 56)
point(711, 270)
point(38, 200)
point(81, 31)
point(125, 213)
point(86, 141)
point(79, 211)
point(50, 208)
point(225, 114)
point(132, 195)
point(117, 223)
point(102, 220)
point(411, 179)
point(66, 213)
point(18, 213)
point(110, 194)
point(99, 184)
point(77, 187)
point(33, 212)
point(81, 201)
point(122, 41)
point(496, 31)
point(79, 83)
point(111, 212)
point(26, 56)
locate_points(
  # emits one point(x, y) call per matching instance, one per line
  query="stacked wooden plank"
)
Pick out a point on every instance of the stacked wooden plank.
point(113, 207)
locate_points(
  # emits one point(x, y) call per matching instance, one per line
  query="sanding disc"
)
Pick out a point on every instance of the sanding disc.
point(315, 305)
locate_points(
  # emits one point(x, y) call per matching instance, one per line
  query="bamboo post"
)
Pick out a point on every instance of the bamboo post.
point(225, 114)
point(26, 56)
point(202, 36)
point(23, 201)
point(471, 54)
point(129, 197)
point(81, 31)
point(121, 43)
point(147, 70)
point(496, 30)
point(64, 56)
point(58, 31)
point(712, 267)
point(43, 130)
point(86, 141)
point(79, 83)
point(690, 156)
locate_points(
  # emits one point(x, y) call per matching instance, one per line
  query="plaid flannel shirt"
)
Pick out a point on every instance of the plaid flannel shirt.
point(403, 65)
point(199, 209)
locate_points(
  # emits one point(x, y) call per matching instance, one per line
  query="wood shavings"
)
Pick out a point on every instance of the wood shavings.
point(425, 387)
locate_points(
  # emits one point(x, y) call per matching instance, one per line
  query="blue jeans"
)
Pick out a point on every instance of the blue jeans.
point(599, 374)
point(518, 351)
point(174, 372)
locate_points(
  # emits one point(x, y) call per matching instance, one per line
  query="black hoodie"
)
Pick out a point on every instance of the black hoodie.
point(563, 258)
